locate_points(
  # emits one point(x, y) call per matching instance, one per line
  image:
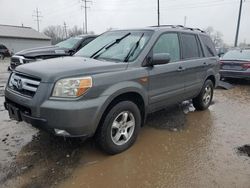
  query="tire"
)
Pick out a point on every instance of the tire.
point(203, 100)
point(113, 135)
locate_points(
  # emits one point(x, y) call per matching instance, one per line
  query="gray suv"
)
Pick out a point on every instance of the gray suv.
point(107, 88)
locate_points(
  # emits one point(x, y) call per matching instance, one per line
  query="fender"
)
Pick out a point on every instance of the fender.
point(119, 89)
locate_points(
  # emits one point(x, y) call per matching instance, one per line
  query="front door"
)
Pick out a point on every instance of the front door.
point(166, 82)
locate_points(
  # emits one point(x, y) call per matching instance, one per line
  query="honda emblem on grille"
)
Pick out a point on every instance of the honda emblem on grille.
point(19, 84)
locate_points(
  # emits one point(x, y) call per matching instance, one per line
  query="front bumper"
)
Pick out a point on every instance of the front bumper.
point(79, 118)
point(235, 74)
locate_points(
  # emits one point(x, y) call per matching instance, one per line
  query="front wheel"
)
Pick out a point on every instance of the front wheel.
point(120, 128)
point(203, 100)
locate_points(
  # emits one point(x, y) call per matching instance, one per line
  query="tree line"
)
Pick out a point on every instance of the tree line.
point(58, 33)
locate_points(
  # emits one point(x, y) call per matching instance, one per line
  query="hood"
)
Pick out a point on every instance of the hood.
point(53, 69)
point(43, 51)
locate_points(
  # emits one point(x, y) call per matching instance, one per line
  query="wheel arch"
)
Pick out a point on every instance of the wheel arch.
point(212, 78)
point(131, 95)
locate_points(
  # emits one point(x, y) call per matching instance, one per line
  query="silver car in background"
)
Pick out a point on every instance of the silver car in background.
point(235, 64)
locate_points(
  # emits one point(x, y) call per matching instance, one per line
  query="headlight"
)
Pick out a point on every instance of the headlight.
point(72, 87)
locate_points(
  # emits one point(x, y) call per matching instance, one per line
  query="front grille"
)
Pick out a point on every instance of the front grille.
point(15, 60)
point(23, 84)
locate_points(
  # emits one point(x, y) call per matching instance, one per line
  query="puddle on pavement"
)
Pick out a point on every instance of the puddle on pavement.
point(201, 153)
point(174, 149)
point(244, 150)
point(172, 118)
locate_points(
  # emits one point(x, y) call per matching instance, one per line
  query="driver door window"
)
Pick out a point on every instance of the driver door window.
point(168, 43)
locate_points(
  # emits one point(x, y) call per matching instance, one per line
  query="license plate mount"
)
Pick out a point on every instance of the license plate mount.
point(14, 113)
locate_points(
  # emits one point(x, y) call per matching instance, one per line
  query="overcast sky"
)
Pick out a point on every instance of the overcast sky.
point(102, 14)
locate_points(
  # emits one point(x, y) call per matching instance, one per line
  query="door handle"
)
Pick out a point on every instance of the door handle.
point(205, 63)
point(180, 69)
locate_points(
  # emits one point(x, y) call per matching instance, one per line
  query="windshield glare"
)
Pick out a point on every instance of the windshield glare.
point(69, 43)
point(119, 51)
point(237, 55)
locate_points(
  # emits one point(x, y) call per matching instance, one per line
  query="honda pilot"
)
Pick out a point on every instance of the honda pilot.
point(108, 88)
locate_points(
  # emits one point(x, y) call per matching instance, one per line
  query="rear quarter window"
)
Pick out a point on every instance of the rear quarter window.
point(209, 48)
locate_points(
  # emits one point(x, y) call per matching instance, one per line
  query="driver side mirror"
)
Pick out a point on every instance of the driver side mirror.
point(160, 59)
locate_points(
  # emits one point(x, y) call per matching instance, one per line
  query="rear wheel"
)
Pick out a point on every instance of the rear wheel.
point(203, 100)
point(120, 128)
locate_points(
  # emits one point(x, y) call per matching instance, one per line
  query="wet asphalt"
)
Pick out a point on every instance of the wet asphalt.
point(178, 147)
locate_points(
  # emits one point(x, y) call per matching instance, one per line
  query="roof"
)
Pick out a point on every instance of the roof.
point(10, 31)
point(167, 28)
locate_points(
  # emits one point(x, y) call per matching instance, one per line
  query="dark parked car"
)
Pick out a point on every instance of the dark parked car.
point(65, 48)
point(108, 87)
point(4, 52)
point(236, 64)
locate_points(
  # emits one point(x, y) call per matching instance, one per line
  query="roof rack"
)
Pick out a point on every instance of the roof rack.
point(180, 26)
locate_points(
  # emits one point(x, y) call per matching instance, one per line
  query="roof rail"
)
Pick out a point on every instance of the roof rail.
point(180, 26)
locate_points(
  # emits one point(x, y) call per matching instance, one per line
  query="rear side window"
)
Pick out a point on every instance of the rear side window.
point(168, 43)
point(209, 48)
point(190, 48)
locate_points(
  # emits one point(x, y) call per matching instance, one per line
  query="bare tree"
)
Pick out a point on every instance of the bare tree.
point(74, 31)
point(110, 29)
point(216, 36)
point(56, 33)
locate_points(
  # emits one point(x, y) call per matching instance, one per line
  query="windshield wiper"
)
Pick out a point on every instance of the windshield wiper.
point(107, 46)
point(133, 49)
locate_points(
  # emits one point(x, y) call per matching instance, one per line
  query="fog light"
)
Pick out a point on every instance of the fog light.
point(61, 132)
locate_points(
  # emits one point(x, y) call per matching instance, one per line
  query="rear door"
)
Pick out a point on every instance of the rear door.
point(166, 82)
point(195, 65)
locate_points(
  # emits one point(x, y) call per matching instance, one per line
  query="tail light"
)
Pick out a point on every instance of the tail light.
point(246, 65)
point(221, 62)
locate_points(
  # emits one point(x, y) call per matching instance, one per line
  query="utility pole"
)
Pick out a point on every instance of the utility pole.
point(65, 29)
point(85, 14)
point(185, 20)
point(37, 16)
point(158, 11)
point(238, 25)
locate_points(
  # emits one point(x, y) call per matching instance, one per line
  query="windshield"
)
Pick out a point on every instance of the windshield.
point(237, 55)
point(69, 43)
point(116, 46)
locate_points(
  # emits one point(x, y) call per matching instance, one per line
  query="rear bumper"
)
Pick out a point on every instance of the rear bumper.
point(235, 74)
